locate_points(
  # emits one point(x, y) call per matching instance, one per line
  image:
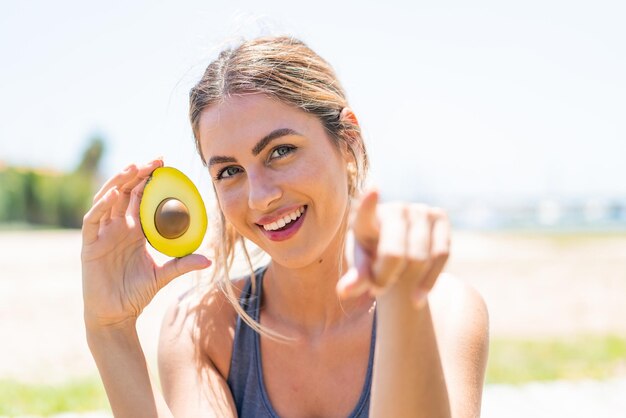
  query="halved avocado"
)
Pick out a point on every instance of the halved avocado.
point(172, 214)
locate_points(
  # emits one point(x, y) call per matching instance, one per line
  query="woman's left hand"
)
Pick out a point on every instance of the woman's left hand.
point(396, 242)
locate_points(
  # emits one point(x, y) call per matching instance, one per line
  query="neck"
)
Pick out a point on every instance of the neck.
point(304, 301)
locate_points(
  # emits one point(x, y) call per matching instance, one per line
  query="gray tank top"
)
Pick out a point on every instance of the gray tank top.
point(245, 378)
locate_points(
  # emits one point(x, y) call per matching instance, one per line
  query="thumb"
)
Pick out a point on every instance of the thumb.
point(352, 284)
point(358, 279)
point(179, 266)
point(365, 225)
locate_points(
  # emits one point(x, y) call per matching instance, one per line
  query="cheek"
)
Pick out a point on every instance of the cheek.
point(326, 177)
point(231, 205)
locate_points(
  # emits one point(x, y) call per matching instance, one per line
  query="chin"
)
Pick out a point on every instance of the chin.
point(292, 259)
point(293, 256)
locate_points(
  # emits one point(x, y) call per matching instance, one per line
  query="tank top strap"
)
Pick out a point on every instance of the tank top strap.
point(250, 299)
point(244, 379)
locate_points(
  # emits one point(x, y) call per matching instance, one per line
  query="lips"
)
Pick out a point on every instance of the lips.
point(285, 220)
point(285, 226)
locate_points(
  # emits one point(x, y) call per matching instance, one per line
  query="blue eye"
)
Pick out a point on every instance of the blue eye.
point(282, 151)
point(227, 172)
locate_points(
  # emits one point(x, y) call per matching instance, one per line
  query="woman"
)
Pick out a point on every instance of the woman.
point(327, 328)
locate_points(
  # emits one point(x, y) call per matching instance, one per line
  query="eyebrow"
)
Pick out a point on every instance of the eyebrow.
point(256, 150)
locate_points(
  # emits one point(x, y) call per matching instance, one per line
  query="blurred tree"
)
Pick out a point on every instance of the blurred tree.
point(43, 197)
point(12, 199)
point(91, 157)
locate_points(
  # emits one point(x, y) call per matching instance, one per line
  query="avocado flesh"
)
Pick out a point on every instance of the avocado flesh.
point(172, 214)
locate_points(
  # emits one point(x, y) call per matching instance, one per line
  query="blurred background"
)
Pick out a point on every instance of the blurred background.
point(510, 116)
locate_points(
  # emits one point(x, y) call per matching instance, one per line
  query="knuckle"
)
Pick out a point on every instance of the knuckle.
point(379, 283)
point(176, 268)
point(436, 213)
point(441, 254)
point(414, 270)
point(392, 208)
point(137, 191)
point(418, 208)
point(392, 258)
point(418, 258)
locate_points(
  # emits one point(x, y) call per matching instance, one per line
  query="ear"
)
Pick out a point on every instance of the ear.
point(348, 117)
point(348, 114)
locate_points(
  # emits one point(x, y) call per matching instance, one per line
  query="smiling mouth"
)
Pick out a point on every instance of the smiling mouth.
point(286, 221)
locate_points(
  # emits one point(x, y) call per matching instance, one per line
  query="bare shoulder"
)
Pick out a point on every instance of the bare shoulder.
point(194, 354)
point(199, 326)
point(458, 310)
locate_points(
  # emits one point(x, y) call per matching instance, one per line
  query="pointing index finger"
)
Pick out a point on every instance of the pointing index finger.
point(365, 225)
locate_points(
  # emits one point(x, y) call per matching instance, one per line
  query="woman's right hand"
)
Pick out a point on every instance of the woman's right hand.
point(120, 277)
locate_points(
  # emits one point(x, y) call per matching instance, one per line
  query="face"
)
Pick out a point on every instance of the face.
point(280, 181)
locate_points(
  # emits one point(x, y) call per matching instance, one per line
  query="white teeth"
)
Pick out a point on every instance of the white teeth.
point(284, 220)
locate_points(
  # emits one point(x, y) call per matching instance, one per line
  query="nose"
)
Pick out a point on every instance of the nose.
point(262, 191)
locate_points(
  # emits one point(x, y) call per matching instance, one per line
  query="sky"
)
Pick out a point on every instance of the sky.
point(457, 100)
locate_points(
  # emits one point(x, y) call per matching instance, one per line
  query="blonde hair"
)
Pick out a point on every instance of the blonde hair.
point(285, 69)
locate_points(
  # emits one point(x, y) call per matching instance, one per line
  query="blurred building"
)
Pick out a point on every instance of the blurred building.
point(557, 214)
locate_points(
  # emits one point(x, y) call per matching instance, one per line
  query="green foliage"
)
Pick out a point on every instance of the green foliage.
point(45, 208)
point(75, 197)
point(12, 195)
point(591, 357)
point(38, 197)
point(26, 399)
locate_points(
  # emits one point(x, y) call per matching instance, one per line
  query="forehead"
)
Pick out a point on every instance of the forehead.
point(242, 120)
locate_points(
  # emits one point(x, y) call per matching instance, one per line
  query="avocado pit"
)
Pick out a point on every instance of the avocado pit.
point(171, 218)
